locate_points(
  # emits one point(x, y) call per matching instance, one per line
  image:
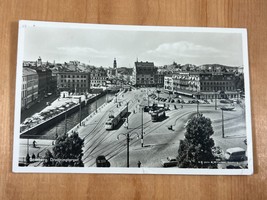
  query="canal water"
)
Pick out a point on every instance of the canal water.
point(73, 119)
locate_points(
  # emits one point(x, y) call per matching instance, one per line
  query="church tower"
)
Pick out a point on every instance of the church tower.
point(115, 67)
point(39, 62)
point(115, 64)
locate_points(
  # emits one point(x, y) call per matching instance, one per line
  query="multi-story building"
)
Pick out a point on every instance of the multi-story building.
point(29, 92)
point(44, 80)
point(73, 82)
point(98, 77)
point(46, 84)
point(145, 75)
point(206, 84)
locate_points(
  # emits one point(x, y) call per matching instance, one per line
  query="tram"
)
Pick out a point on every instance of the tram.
point(156, 115)
point(114, 120)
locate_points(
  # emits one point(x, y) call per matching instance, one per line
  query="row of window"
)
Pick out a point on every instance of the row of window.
point(103, 78)
point(73, 76)
point(93, 75)
point(144, 79)
point(74, 85)
point(73, 81)
point(222, 78)
point(216, 88)
point(29, 94)
point(97, 82)
point(215, 83)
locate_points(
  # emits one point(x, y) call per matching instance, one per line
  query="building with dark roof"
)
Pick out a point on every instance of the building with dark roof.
point(145, 74)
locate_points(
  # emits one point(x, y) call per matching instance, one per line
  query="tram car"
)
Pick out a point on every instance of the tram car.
point(156, 115)
point(114, 120)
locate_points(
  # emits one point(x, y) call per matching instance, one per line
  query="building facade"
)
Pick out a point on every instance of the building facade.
point(98, 77)
point(73, 82)
point(29, 92)
point(209, 85)
point(145, 75)
point(46, 83)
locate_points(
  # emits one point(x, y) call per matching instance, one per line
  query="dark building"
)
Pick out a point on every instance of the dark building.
point(145, 74)
point(46, 84)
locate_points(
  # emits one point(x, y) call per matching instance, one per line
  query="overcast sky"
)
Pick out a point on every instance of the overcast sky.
point(100, 47)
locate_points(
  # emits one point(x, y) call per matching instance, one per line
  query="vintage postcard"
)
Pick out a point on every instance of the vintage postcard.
point(132, 99)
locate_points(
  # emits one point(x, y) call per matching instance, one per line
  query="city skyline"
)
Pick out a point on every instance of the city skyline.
point(100, 47)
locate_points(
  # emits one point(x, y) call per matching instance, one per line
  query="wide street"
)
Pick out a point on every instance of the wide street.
point(159, 141)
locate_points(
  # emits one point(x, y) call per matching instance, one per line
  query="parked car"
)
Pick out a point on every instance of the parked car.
point(169, 162)
point(101, 161)
point(235, 154)
point(146, 109)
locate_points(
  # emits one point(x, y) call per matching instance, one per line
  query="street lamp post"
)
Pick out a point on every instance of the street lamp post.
point(127, 119)
point(65, 122)
point(28, 155)
point(222, 124)
point(158, 91)
point(128, 137)
point(198, 97)
point(147, 97)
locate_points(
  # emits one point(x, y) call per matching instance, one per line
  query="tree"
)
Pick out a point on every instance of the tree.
point(68, 150)
point(48, 159)
point(195, 151)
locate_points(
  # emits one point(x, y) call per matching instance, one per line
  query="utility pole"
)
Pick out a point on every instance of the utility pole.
point(222, 124)
point(215, 101)
point(80, 111)
point(142, 129)
point(128, 149)
point(128, 137)
point(197, 108)
point(66, 122)
point(127, 116)
point(147, 99)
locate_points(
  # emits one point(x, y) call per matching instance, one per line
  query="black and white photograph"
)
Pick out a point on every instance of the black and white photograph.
point(132, 99)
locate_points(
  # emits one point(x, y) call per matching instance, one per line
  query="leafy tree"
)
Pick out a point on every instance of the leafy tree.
point(48, 162)
point(68, 150)
point(195, 151)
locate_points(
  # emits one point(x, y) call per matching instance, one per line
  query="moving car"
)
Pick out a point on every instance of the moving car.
point(228, 108)
point(171, 161)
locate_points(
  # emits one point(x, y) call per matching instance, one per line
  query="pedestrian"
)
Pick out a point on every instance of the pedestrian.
point(34, 144)
point(139, 164)
point(33, 156)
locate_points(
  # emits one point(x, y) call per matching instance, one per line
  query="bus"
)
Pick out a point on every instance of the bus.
point(156, 115)
point(114, 120)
